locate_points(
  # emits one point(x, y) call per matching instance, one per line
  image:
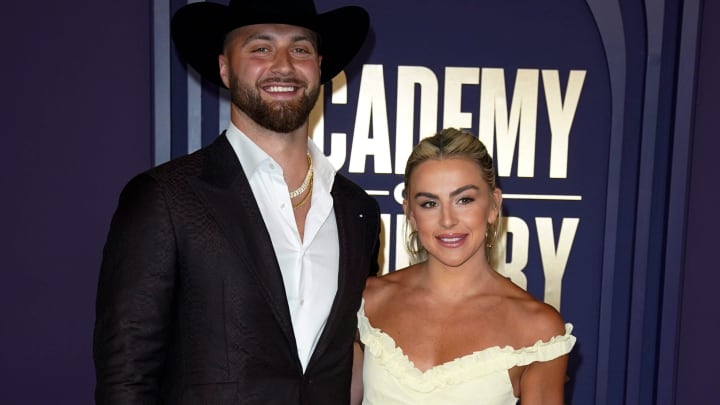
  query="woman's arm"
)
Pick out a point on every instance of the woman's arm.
point(542, 383)
point(356, 386)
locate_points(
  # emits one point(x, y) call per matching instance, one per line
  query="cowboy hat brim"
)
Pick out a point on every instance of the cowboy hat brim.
point(199, 30)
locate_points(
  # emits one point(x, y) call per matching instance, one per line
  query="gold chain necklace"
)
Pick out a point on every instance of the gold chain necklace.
point(306, 198)
point(306, 181)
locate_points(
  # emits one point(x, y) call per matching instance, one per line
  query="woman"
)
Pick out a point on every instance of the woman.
point(449, 329)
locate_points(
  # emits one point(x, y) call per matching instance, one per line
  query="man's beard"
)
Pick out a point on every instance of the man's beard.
point(278, 116)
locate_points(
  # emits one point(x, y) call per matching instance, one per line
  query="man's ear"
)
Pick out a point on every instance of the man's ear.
point(223, 65)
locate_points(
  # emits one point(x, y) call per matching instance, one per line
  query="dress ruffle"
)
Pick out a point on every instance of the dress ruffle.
point(469, 367)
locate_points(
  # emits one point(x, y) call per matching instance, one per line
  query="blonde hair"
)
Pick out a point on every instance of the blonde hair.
point(446, 144)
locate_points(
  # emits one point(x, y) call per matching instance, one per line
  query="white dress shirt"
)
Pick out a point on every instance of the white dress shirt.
point(309, 265)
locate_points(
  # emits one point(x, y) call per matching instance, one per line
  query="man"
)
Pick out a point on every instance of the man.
point(233, 275)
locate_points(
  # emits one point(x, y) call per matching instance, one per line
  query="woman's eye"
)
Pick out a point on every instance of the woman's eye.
point(428, 204)
point(465, 200)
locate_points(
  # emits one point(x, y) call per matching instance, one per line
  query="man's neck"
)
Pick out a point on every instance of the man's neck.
point(289, 150)
point(280, 146)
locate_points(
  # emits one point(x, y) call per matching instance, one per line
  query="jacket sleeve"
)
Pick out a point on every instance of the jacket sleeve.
point(135, 297)
point(374, 262)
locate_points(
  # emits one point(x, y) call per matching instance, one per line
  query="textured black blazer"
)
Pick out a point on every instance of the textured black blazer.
point(191, 307)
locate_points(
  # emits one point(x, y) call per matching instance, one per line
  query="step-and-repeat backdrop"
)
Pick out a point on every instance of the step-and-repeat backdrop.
point(530, 78)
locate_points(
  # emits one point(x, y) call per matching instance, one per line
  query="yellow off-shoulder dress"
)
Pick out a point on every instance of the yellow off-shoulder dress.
point(390, 378)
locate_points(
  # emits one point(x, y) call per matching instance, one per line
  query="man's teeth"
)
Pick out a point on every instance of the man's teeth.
point(274, 89)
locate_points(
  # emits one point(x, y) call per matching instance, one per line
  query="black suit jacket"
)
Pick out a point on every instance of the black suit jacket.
point(191, 307)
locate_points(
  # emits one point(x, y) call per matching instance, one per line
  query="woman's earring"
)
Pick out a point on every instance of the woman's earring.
point(489, 242)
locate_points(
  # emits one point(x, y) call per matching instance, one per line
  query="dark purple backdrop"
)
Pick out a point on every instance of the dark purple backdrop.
point(76, 113)
point(699, 326)
point(76, 92)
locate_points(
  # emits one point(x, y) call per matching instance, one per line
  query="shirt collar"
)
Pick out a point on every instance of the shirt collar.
point(248, 153)
point(251, 157)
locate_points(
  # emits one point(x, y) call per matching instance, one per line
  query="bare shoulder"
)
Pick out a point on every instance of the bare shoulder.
point(545, 320)
point(536, 319)
point(380, 290)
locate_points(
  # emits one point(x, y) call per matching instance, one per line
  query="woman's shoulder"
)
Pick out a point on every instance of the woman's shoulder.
point(535, 320)
point(394, 279)
point(380, 290)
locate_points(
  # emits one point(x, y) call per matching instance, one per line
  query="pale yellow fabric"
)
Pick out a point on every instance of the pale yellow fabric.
point(390, 378)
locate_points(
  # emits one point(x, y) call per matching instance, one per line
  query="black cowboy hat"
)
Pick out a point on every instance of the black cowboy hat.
point(199, 29)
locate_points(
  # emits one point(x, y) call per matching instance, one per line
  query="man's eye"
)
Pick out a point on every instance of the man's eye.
point(302, 51)
point(261, 50)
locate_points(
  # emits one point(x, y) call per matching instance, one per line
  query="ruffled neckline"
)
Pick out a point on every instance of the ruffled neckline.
point(462, 369)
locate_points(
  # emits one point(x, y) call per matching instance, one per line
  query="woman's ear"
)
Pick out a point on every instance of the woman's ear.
point(496, 204)
point(408, 213)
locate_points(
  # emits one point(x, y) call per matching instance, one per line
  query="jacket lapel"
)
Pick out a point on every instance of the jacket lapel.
point(226, 191)
point(349, 217)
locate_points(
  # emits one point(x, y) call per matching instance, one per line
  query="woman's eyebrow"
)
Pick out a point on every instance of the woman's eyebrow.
point(452, 193)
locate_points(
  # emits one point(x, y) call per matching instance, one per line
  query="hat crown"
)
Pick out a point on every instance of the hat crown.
point(293, 12)
point(199, 30)
point(299, 8)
